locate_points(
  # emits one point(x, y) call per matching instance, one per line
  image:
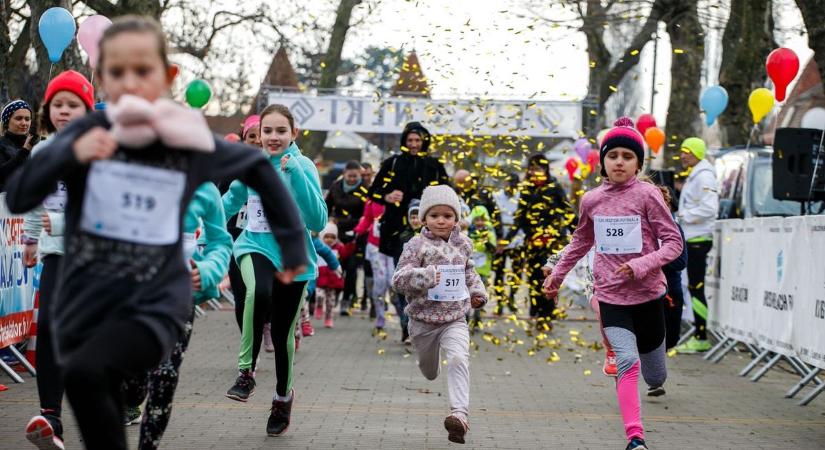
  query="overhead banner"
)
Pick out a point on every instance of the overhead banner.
point(16, 281)
point(445, 117)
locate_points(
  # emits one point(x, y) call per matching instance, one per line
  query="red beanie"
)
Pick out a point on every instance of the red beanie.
point(73, 82)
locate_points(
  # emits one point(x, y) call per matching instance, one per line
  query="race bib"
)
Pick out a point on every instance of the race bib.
point(452, 287)
point(190, 245)
point(255, 218)
point(479, 259)
point(133, 203)
point(56, 201)
point(618, 235)
point(241, 221)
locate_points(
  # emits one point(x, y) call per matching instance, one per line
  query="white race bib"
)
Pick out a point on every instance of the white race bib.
point(255, 218)
point(452, 287)
point(56, 201)
point(618, 235)
point(190, 245)
point(133, 203)
point(479, 259)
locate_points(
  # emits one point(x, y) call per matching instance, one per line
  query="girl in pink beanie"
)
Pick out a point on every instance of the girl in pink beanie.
point(634, 235)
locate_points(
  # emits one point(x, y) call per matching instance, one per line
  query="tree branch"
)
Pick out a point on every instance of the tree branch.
point(102, 7)
point(628, 59)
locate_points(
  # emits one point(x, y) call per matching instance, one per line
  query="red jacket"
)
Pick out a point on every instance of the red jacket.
point(328, 278)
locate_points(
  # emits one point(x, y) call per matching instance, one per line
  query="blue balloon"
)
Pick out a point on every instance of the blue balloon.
point(713, 102)
point(57, 28)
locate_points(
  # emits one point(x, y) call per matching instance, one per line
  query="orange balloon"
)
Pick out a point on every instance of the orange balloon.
point(655, 138)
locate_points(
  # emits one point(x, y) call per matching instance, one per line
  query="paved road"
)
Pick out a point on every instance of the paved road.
point(354, 390)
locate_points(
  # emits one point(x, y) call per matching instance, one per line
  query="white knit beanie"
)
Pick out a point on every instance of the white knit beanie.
point(330, 228)
point(438, 195)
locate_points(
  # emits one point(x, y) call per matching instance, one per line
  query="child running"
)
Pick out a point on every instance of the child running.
point(437, 275)
point(626, 220)
point(130, 172)
point(483, 236)
point(69, 96)
point(331, 281)
point(260, 259)
point(381, 265)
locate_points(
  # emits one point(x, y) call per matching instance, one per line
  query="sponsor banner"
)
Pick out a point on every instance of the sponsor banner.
point(16, 281)
point(809, 308)
point(736, 286)
point(452, 117)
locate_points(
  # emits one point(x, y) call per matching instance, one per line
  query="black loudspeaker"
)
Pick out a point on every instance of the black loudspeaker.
point(798, 164)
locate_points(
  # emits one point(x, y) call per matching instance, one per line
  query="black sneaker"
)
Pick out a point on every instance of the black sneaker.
point(279, 415)
point(132, 416)
point(636, 443)
point(655, 391)
point(244, 387)
point(45, 432)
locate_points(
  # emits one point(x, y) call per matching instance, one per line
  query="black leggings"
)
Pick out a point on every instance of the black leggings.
point(696, 268)
point(94, 376)
point(500, 268)
point(540, 306)
point(674, 302)
point(238, 290)
point(49, 381)
point(281, 302)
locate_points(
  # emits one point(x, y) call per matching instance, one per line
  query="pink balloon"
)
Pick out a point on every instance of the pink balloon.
point(89, 34)
point(582, 147)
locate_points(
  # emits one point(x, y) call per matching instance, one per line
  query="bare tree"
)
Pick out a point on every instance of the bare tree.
point(813, 14)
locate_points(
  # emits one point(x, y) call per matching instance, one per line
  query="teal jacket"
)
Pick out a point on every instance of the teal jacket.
point(301, 178)
point(212, 261)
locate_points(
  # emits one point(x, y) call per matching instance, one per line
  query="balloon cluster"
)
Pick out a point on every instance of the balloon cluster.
point(57, 30)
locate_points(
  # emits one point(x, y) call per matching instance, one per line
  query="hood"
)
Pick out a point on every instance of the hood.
point(416, 127)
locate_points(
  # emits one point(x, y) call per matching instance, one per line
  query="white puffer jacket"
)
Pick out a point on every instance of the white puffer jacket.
point(699, 202)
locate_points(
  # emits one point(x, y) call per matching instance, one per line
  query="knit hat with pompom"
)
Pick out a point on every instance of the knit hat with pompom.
point(623, 134)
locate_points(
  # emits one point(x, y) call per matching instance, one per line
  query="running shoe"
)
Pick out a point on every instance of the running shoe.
point(132, 416)
point(268, 346)
point(694, 345)
point(45, 432)
point(655, 391)
point(345, 312)
point(319, 312)
point(279, 416)
point(306, 328)
point(636, 443)
point(244, 386)
point(610, 369)
point(328, 323)
point(457, 428)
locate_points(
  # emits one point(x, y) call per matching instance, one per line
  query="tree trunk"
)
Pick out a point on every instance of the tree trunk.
point(688, 41)
point(813, 14)
point(45, 70)
point(747, 41)
point(313, 144)
point(5, 51)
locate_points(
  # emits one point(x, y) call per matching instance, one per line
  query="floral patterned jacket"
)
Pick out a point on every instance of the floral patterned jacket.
point(416, 272)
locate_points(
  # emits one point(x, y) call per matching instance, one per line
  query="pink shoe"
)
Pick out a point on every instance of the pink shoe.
point(319, 312)
point(306, 328)
point(328, 323)
point(610, 369)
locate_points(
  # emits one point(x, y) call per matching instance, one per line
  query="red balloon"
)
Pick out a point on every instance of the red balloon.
point(644, 122)
point(593, 160)
point(782, 66)
point(571, 165)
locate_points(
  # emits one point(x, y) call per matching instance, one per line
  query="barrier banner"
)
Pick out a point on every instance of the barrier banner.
point(739, 263)
point(712, 281)
point(809, 307)
point(16, 281)
point(776, 278)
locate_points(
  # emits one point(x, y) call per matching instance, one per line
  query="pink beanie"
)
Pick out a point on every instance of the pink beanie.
point(623, 134)
point(250, 122)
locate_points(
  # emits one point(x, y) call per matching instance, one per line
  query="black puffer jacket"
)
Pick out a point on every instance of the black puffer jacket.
point(410, 175)
point(12, 156)
point(346, 207)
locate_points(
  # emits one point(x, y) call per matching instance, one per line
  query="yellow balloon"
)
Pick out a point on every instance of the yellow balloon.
point(760, 102)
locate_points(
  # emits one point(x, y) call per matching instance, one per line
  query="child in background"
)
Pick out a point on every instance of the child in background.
point(125, 291)
point(381, 266)
point(437, 273)
point(331, 281)
point(483, 236)
point(69, 96)
point(634, 235)
point(412, 228)
point(325, 257)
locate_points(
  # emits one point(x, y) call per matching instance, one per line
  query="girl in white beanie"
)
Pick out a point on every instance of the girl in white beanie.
point(437, 275)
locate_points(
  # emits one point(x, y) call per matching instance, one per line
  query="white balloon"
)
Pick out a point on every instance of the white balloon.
point(814, 118)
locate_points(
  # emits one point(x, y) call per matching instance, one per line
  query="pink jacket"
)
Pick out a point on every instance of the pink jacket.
point(633, 198)
point(372, 212)
point(415, 275)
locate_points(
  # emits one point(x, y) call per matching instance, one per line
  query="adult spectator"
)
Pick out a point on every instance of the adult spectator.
point(466, 185)
point(507, 200)
point(698, 208)
point(16, 143)
point(544, 215)
point(345, 203)
point(367, 174)
point(401, 179)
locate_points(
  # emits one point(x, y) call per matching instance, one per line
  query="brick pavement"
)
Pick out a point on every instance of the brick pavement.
point(357, 391)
